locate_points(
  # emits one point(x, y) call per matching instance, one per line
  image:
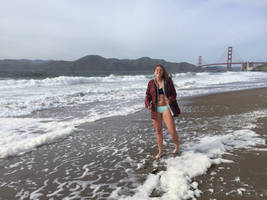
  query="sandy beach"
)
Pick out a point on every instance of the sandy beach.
point(86, 166)
point(246, 177)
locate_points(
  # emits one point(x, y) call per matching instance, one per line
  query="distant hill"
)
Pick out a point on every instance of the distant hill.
point(261, 68)
point(90, 64)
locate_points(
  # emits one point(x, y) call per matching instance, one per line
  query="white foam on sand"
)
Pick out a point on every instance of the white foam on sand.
point(176, 182)
point(19, 135)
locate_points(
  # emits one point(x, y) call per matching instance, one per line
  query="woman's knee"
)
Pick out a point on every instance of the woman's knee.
point(157, 124)
point(158, 130)
point(172, 131)
point(172, 128)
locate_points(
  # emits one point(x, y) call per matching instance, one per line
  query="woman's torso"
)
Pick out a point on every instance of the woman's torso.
point(161, 98)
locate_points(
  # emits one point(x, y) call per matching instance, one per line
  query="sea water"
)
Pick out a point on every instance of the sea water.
point(39, 111)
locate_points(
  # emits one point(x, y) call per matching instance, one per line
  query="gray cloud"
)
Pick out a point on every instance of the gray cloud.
point(172, 30)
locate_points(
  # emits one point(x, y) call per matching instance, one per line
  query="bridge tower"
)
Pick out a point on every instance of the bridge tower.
point(229, 58)
point(199, 61)
point(244, 66)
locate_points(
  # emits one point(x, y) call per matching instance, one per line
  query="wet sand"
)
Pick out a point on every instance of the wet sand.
point(246, 178)
point(104, 155)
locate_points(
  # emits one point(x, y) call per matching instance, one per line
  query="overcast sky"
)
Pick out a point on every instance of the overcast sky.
point(174, 30)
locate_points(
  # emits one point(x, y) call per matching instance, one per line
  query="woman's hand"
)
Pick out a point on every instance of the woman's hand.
point(168, 101)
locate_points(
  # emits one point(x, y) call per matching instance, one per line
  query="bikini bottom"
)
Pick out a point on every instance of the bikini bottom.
point(161, 109)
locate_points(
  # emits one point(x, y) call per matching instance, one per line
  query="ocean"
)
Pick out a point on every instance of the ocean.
point(90, 137)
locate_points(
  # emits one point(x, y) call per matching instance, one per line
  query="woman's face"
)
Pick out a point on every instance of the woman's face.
point(158, 72)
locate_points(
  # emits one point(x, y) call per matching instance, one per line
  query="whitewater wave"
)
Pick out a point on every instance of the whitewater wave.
point(27, 133)
point(66, 81)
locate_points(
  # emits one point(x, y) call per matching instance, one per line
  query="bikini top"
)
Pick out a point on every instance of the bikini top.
point(161, 91)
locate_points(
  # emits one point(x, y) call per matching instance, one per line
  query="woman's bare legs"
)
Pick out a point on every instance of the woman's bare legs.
point(158, 128)
point(169, 121)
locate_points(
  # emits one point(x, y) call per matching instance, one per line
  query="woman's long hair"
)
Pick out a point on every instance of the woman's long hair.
point(166, 76)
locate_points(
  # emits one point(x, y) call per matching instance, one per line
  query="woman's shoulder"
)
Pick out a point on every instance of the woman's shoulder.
point(151, 81)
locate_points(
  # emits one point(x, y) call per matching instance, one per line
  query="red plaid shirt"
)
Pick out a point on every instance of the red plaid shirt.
point(152, 97)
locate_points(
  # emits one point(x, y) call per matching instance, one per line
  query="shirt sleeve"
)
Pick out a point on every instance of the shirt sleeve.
point(172, 91)
point(148, 98)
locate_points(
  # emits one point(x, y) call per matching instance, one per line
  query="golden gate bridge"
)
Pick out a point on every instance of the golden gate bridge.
point(245, 65)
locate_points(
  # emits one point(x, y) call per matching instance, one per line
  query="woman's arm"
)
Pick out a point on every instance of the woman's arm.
point(173, 94)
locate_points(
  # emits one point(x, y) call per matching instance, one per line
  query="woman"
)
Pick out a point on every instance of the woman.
point(161, 100)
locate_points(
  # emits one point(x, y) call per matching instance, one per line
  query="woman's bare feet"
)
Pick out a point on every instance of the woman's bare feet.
point(176, 150)
point(158, 155)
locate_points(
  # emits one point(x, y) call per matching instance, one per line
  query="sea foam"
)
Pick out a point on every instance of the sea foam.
point(66, 81)
point(176, 182)
point(19, 135)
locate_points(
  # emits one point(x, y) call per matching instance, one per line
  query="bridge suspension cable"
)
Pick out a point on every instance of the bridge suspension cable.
point(237, 57)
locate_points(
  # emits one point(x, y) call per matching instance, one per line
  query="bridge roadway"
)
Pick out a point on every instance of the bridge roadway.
point(232, 63)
